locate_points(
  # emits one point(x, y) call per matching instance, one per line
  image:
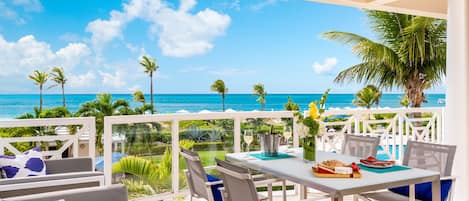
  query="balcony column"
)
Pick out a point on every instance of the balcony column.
point(456, 129)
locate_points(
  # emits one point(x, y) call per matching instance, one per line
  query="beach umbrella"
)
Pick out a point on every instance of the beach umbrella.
point(204, 112)
point(230, 110)
point(182, 112)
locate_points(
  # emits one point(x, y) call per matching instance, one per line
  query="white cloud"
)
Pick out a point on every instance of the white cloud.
point(115, 80)
point(264, 3)
point(27, 53)
point(29, 5)
point(329, 64)
point(9, 14)
point(230, 4)
point(82, 80)
point(181, 33)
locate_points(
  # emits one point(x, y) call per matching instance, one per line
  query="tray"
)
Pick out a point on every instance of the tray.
point(325, 175)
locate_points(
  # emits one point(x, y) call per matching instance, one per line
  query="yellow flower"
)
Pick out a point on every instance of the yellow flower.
point(313, 110)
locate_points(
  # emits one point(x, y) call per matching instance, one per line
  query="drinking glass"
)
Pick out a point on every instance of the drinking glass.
point(248, 138)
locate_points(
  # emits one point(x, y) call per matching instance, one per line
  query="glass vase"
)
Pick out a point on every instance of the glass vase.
point(309, 148)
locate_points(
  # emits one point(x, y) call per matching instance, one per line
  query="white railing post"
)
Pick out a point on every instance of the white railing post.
point(296, 134)
point(400, 124)
point(237, 135)
point(439, 126)
point(357, 124)
point(107, 152)
point(92, 140)
point(175, 156)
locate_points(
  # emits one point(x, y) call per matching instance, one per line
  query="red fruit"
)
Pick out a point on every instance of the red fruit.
point(355, 167)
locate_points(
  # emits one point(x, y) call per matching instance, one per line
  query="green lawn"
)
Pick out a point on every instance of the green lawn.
point(207, 157)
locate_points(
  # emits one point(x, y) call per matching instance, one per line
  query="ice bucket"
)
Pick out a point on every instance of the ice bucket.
point(270, 144)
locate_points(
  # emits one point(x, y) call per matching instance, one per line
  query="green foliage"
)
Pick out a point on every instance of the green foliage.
point(150, 66)
point(291, 106)
point(56, 112)
point(58, 76)
point(260, 92)
point(40, 79)
point(367, 97)
point(404, 101)
point(312, 124)
point(219, 87)
point(411, 53)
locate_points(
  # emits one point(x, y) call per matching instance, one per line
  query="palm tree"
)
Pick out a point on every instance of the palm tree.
point(58, 77)
point(219, 87)
point(411, 53)
point(260, 92)
point(367, 97)
point(39, 78)
point(101, 107)
point(150, 67)
point(138, 96)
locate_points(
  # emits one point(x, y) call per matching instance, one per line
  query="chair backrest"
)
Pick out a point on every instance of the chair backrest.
point(429, 156)
point(360, 146)
point(197, 173)
point(237, 181)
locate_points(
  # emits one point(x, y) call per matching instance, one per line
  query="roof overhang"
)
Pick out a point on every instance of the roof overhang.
point(427, 8)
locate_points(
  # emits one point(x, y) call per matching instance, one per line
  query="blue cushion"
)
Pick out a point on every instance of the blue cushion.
point(423, 191)
point(216, 193)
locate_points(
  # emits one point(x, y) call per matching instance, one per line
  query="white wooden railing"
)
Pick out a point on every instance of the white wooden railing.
point(395, 130)
point(238, 117)
point(86, 131)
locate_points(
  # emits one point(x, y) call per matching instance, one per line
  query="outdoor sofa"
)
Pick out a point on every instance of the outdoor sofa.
point(111, 193)
point(62, 174)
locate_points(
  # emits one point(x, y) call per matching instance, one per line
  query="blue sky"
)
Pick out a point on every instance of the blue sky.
point(244, 42)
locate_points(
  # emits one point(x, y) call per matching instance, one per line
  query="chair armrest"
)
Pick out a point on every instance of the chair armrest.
point(212, 183)
point(453, 178)
point(68, 165)
point(265, 182)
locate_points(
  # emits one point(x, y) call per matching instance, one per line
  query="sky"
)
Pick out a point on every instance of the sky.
point(244, 42)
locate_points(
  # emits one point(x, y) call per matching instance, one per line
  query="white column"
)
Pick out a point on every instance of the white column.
point(237, 135)
point(457, 93)
point(175, 157)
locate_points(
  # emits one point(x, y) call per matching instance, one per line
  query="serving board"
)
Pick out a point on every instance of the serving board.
point(325, 175)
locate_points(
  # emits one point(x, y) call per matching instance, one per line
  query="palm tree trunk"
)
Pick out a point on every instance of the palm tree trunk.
point(63, 95)
point(151, 93)
point(40, 99)
point(223, 101)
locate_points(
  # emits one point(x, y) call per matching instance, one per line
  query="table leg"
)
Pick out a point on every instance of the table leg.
point(436, 191)
point(284, 190)
point(412, 192)
point(337, 197)
point(269, 189)
point(303, 192)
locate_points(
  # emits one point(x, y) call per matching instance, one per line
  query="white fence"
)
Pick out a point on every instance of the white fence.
point(398, 126)
point(238, 117)
point(86, 131)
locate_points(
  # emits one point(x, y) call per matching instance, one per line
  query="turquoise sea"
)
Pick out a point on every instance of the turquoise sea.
point(15, 105)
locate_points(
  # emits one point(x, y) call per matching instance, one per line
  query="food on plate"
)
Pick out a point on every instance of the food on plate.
point(336, 167)
point(375, 162)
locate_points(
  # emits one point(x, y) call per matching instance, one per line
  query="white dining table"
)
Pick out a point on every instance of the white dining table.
point(295, 169)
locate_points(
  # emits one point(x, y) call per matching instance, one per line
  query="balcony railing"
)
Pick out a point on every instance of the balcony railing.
point(157, 138)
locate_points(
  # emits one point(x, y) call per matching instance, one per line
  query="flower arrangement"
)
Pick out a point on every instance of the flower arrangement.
point(313, 124)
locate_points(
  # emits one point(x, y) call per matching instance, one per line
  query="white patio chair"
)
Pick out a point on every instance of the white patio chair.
point(238, 183)
point(428, 156)
point(360, 146)
point(205, 186)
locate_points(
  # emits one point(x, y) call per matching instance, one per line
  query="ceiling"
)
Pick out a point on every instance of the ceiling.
point(428, 8)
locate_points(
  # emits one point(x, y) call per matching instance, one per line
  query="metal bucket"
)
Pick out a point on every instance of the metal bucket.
point(270, 144)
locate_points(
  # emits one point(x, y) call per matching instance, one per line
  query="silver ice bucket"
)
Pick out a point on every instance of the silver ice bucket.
point(270, 144)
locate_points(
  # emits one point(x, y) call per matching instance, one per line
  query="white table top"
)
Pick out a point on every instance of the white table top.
point(298, 171)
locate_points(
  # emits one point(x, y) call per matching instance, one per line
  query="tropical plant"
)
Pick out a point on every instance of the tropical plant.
point(219, 87)
point(59, 78)
point(150, 66)
point(40, 79)
point(367, 97)
point(138, 96)
point(101, 107)
point(291, 106)
point(410, 55)
point(404, 101)
point(260, 92)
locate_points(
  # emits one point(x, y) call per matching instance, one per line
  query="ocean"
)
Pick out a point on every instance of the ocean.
point(12, 106)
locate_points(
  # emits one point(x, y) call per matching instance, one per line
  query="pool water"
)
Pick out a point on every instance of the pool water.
point(383, 156)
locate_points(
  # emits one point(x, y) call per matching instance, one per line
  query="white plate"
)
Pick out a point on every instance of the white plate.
point(377, 166)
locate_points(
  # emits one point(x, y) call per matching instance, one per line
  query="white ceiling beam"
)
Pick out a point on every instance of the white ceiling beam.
point(371, 6)
point(383, 2)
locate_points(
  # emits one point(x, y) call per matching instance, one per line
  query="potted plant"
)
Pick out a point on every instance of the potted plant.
point(312, 125)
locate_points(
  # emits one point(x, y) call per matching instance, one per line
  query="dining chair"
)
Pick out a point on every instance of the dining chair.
point(360, 146)
point(239, 184)
point(428, 156)
point(206, 186)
